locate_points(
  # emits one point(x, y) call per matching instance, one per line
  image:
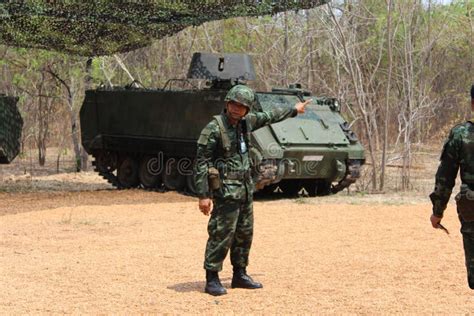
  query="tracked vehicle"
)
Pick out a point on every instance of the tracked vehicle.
point(146, 138)
point(11, 125)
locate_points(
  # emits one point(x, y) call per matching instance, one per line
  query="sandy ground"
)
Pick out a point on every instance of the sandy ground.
point(111, 251)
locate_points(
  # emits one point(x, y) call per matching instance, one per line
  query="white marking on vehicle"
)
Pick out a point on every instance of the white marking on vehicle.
point(313, 158)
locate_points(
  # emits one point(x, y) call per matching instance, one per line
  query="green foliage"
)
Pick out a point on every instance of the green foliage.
point(19, 80)
point(96, 72)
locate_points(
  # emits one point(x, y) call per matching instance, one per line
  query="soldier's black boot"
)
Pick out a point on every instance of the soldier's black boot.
point(242, 280)
point(213, 284)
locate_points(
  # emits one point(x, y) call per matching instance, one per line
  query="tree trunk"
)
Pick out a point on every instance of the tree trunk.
point(42, 118)
point(41, 145)
point(387, 96)
point(285, 52)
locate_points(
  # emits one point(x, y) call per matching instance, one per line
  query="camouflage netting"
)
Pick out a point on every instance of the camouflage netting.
point(105, 27)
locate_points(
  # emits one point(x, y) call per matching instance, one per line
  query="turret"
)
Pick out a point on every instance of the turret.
point(222, 71)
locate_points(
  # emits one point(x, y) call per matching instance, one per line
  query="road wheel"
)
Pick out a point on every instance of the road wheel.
point(190, 184)
point(127, 173)
point(323, 187)
point(311, 186)
point(150, 172)
point(267, 190)
point(317, 187)
point(106, 161)
point(173, 179)
point(290, 187)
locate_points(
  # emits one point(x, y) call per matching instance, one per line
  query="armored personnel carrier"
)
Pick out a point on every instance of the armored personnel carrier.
point(147, 137)
point(11, 125)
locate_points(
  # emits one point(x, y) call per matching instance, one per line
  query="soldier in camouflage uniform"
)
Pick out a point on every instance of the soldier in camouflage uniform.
point(458, 153)
point(223, 145)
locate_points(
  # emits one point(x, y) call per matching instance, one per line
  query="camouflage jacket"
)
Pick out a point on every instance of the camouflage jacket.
point(234, 163)
point(458, 153)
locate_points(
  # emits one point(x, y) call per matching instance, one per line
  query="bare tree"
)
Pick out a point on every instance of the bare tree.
point(70, 94)
point(387, 94)
point(346, 49)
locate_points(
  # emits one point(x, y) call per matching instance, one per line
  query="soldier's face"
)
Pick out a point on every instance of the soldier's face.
point(236, 110)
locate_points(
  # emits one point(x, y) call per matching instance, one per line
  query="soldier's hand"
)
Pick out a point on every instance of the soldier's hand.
point(435, 221)
point(300, 106)
point(205, 205)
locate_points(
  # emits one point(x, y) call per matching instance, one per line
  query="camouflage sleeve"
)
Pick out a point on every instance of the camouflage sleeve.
point(206, 146)
point(446, 174)
point(260, 119)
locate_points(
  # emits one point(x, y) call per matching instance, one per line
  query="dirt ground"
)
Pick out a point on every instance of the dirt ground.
point(70, 243)
point(134, 251)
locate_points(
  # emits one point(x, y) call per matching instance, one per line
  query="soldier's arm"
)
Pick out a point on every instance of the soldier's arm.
point(260, 119)
point(446, 174)
point(206, 147)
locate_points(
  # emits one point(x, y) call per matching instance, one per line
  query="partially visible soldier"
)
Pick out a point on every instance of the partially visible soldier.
point(223, 180)
point(458, 152)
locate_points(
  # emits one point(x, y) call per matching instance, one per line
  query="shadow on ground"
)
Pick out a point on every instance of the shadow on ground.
point(196, 286)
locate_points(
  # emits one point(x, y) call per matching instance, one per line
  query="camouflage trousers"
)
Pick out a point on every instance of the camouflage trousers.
point(230, 227)
point(467, 230)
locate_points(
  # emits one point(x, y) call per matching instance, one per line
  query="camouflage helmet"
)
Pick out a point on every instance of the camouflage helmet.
point(241, 94)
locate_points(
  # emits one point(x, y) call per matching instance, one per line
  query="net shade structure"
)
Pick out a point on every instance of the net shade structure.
point(94, 28)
